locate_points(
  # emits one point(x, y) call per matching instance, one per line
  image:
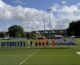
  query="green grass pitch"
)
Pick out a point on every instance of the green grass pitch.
point(44, 56)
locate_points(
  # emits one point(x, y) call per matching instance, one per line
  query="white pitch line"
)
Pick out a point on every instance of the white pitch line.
point(28, 57)
point(78, 53)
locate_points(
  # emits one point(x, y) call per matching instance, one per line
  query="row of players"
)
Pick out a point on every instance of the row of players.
point(23, 44)
point(66, 42)
point(55, 42)
point(12, 44)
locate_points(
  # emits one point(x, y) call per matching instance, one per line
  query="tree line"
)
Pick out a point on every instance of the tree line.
point(74, 28)
point(16, 31)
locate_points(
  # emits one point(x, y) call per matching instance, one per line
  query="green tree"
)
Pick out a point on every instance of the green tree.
point(3, 34)
point(74, 28)
point(16, 31)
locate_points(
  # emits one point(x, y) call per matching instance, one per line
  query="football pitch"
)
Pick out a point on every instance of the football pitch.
point(37, 56)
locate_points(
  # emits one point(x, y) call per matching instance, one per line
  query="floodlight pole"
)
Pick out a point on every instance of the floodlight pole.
point(49, 11)
point(44, 27)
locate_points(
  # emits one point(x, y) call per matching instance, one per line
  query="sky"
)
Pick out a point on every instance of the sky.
point(31, 14)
